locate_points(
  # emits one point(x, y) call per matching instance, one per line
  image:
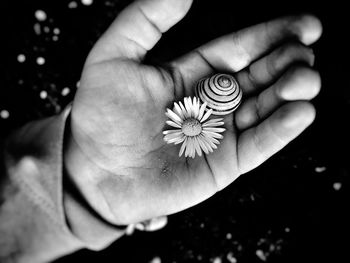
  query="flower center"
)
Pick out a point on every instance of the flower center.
point(191, 127)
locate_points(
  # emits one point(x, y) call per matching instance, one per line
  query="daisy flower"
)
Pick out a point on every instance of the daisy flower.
point(193, 128)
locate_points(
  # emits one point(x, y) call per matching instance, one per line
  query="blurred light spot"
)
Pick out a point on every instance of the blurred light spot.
point(65, 91)
point(156, 260)
point(287, 230)
point(87, 2)
point(231, 258)
point(55, 38)
point(337, 186)
point(40, 15)
point(228, 236)
point(217, 260)
point(37, 29)
point(320, 169)
point(260, 254)
point(72, 4)
point(46, 29)
point(4, 114)
point(56, 31)
point(40, 61)
point(21, 58)
point(43, 94)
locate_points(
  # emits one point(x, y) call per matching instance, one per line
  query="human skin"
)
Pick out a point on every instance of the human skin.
point(115, 153)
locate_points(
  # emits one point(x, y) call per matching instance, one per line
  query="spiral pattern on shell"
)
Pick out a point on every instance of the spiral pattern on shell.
point(221, 92)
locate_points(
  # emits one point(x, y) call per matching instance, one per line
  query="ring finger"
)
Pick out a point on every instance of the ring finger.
point(298, 83)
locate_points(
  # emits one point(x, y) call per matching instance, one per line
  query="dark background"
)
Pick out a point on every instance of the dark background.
point(293, 208)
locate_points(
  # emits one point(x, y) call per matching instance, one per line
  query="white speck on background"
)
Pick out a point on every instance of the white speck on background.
point(261, 241)
point(320, 169)
point(217, 260)
point(21, 58)
point(40, 15)
point(87, 2)
point(4, 114)
point(43, 94)
point(231, 258)
point(65, 91)
point(40, 61)
point(56, 31)
point(337, 186)
point(46, 29)
point(78, 84)
point(287, 230)
point(260, 254)
point(228, 236)
point(55, 38)
point(37, 28)
point(156, 260)
point(72, 4)
point(252, 197)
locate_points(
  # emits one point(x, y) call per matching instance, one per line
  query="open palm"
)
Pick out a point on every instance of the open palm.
point(116, 154)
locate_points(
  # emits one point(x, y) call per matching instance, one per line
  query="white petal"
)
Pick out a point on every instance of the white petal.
point(212, 134)
point(213, 129)
point(213, 124)
point(184, 111)
point(172, 115)
point(207, 143)
point(188, 146)
point(206, 115)
point(178, 111)
point(171, 131)
point(202, 144)
point(180, 140)
point(195, 108)
point(172, 136)
point(173, 124)
point(201, 110)
point(213, 140)
point(189, 106)
point(193, 148)
point(176, 140)
point(215, 120)
point(197, 146)
point(183, 147)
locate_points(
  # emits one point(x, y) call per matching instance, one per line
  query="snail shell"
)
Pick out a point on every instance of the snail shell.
point(221, 92)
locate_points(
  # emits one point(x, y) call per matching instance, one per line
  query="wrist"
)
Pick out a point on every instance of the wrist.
point(82, 174)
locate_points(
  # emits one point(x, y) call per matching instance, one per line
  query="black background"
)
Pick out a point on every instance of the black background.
point(288, 209)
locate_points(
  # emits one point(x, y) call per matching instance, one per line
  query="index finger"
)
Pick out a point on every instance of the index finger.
point(138, 28)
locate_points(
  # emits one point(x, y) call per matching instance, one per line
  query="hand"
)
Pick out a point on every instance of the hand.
point(116, 154)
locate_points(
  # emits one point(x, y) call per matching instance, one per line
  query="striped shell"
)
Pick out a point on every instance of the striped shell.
point(221, 92)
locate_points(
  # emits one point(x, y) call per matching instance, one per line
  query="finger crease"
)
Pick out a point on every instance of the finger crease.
point(212, 173)
point(257, 143)
point(257, 108)
point(200, 54)
point(252, 79)
point(154, 25)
